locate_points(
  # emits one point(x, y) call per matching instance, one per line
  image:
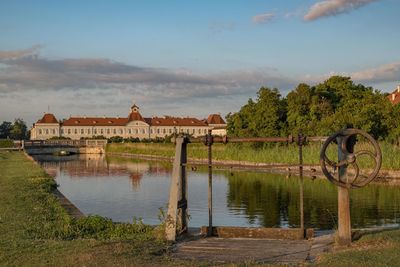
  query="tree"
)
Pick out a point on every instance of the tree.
point(264, 117)
point(319, 110)
point(5, 129)
point(18, 130)
point(299, 104)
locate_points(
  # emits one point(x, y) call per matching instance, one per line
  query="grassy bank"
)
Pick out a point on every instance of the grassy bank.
point(274, 153)
point(36, 231)
point(373, 250)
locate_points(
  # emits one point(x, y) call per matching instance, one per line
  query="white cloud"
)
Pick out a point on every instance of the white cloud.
point(263, 18)
point(75, 83)
point(16, 54)
point(334, 7)
point(387, 73)
point(384, 73)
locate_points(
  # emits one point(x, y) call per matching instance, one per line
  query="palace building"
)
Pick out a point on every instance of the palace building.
point(134, 126)
point(394, 97)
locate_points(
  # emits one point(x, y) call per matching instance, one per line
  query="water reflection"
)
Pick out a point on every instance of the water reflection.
point(122, 188)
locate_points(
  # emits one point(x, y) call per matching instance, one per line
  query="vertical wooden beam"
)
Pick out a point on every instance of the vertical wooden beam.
point(300, 143)
point(178, 192)
point(209, 145)
point(344, 220)
point(182, 201)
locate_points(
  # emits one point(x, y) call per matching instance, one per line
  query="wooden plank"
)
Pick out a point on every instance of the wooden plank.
point(241, 250)
point(259, 232)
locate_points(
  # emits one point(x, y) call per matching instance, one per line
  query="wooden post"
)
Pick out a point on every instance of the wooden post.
point(177, 205)
point(344, 220)
point(209, 144)
point(300, 143)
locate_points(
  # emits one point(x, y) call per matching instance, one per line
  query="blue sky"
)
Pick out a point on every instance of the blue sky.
point(185, 57)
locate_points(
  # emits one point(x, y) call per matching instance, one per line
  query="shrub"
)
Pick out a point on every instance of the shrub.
point(6, 143)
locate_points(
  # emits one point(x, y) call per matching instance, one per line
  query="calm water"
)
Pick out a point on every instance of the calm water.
point(122, 189)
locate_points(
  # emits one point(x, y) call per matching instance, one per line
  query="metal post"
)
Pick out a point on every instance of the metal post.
point(344, 220)
point(177, 205)
point(209, 145)
point(300, 143)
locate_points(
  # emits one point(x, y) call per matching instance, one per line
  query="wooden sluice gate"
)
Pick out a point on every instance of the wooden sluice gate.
point(226, 243)
point(176, 222)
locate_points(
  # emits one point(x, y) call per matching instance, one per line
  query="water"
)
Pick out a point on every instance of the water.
point(124, 189)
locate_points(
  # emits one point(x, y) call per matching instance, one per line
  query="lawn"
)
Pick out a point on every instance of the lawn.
point(375, 250)
point(36, 231)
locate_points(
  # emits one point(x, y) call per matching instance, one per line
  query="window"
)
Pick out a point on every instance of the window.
point(88, 131)
point(170, 131)
point(69, 131)
point(187, 130)
point(193, 130)
point(199, 131)
point(47, 131)
point(205, 131)
point(143, 131)
point(76, 131)
point(129, 131)
point(82, 131)
point(101, 131)
point(95, 131)
point(164, 131)
point(62, 131)
point(151, 131)
point(115, 131)
point(108, 131)
point(120, 131)
point(40, 131)
point(158, 131)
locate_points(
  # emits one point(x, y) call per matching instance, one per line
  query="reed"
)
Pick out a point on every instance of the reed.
point(271, 153)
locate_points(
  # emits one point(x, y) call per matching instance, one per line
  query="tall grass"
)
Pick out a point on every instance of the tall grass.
point(271, 153)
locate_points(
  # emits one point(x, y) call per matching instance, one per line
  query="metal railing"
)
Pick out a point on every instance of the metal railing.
point(70, 143)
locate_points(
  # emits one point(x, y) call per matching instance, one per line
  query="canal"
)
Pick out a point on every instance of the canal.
point(123, 189)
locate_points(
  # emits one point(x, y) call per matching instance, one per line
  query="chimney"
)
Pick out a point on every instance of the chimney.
point(393, 96)
point(398, 88)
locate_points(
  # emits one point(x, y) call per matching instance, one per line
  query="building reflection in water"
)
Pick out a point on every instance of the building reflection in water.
point(96, 165)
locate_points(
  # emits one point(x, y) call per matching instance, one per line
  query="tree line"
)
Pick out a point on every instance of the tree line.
point(15, 131)
point(318, 110)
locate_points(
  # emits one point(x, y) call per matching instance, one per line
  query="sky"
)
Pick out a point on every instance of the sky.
point(185, 58)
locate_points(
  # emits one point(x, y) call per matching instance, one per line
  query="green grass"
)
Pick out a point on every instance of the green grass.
point(373, 250)
point(273, 153)
point(36, 231)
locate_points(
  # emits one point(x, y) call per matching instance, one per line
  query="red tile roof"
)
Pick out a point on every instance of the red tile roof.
point(394, 97)
point(174, 121)
point(48, 118)
point(135, 116)
point(215, 119)
point(155, 121)
point(95, 121)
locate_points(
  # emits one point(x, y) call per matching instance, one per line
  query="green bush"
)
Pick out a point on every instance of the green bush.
point(102, 228)
point(6, 143)
point(116, 139)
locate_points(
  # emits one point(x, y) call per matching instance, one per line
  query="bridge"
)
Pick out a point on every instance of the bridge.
point(35, 147)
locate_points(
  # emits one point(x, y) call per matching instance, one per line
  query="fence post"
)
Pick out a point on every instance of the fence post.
point(344, 220)
point(177, 205)
point(300, 141)
point(209, 146)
